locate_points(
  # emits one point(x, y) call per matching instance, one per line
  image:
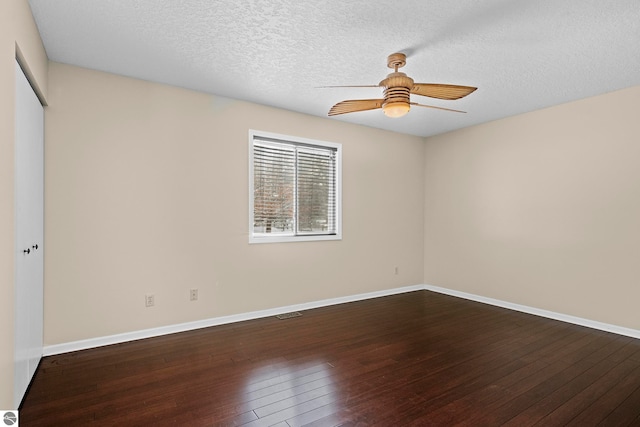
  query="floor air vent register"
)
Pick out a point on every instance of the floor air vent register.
point(289, 315)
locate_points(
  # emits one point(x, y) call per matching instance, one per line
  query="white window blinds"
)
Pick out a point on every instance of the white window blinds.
point(295, 189)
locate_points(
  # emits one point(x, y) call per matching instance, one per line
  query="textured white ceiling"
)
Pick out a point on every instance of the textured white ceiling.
point(521, 54)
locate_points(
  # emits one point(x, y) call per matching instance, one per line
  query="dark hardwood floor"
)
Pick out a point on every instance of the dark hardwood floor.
point(415, 359)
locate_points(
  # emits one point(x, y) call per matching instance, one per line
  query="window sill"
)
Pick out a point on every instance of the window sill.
point(292, 239)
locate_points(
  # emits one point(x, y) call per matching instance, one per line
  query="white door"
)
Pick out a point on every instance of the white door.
point(29, 232)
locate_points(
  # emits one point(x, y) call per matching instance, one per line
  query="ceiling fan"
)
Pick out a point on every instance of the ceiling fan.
point(397, 90)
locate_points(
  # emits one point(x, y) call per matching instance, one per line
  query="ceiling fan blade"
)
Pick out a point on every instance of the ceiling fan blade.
point(353, 105)
point(329, 87)
point(437, 108)
point(441, 91)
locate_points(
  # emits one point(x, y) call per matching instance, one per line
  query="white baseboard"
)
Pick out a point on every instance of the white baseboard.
point(182, 327)
point(634, 333)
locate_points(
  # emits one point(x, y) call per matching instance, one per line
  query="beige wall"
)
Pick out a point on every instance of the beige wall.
point(147, 192)
point(18, 37)
point(541, 209)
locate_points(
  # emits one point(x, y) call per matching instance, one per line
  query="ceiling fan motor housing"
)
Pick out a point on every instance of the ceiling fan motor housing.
point(397, 88)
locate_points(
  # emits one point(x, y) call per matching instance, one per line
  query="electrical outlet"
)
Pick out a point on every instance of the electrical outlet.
point(193, 294)
point(149, 300)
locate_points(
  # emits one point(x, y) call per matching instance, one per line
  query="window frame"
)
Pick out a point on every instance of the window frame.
point(294, 140)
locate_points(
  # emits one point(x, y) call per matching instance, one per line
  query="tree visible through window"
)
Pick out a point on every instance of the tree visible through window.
point(295, 189)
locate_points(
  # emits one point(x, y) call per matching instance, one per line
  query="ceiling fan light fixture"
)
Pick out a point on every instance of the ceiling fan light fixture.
point(396, 109)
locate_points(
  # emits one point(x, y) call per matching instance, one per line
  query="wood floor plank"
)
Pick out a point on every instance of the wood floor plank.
point(418, 358)
point(594, 391)
point(500, 394)
point(605, 405)
point(624, 414)
point(531, 390)
point(573, 381)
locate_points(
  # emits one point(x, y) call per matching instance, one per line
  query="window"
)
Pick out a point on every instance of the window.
point(294, 189)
